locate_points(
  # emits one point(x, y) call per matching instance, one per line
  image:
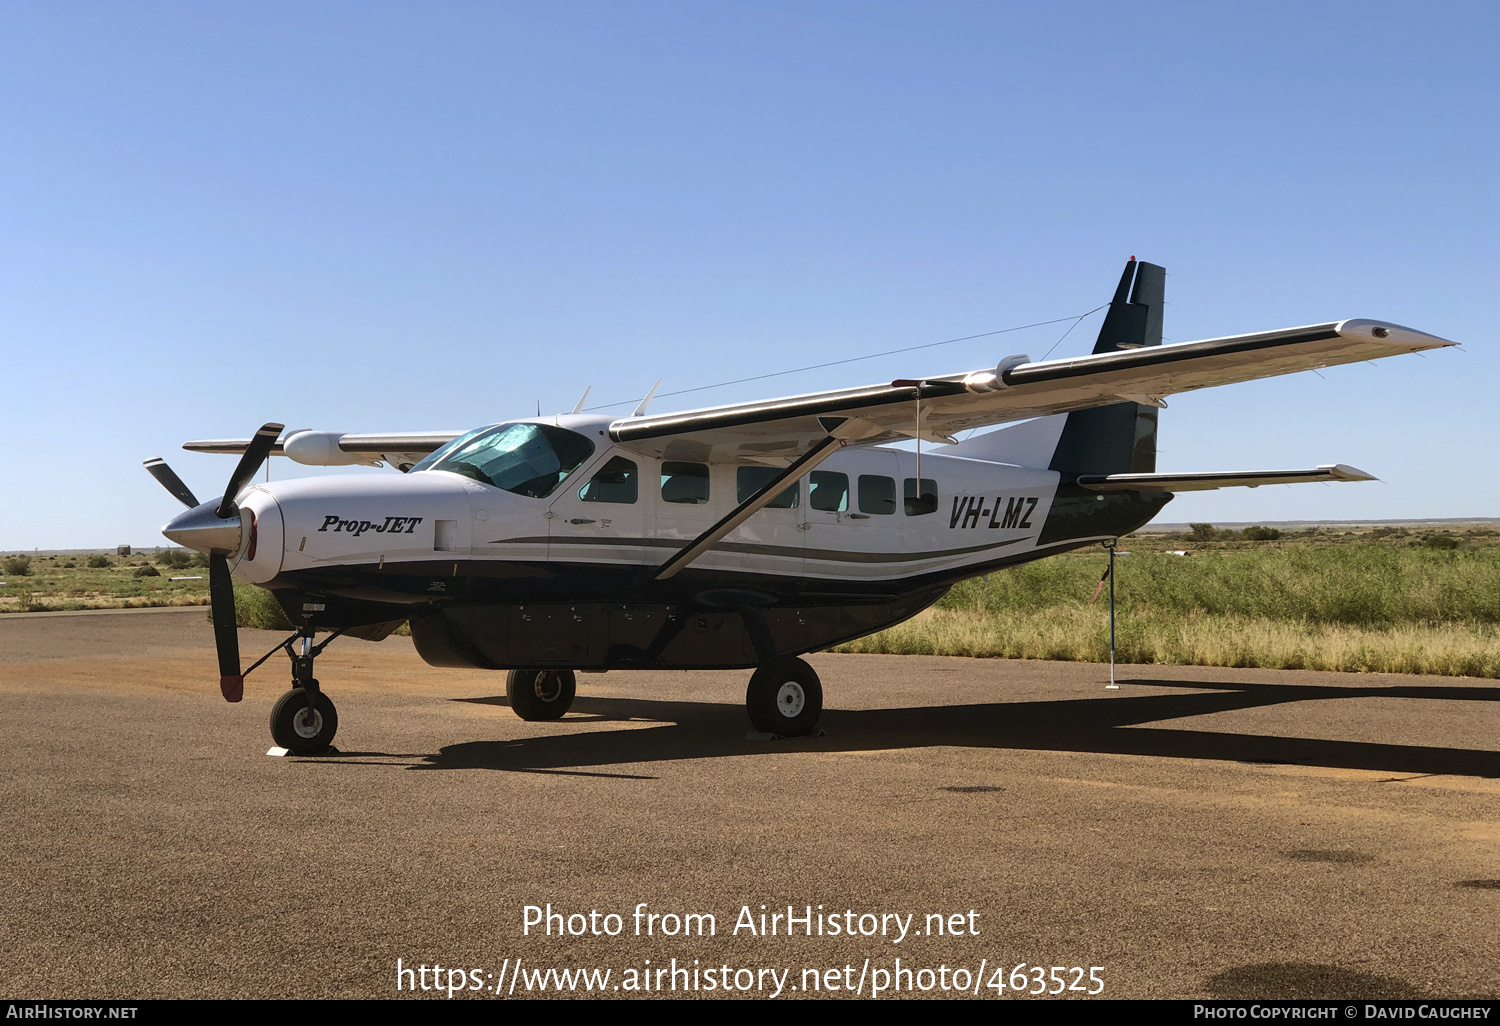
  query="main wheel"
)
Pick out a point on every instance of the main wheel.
point(540, 694)
point(785, 697)
point(302, 730)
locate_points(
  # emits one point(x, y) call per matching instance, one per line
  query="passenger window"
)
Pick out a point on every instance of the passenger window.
point(877, 495)
point(927, 502)
point(749, 480)
point(828, 491)
point(617, 481)
point(684, 482)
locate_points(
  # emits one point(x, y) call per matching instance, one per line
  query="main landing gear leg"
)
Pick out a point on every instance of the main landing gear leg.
point(303, 721)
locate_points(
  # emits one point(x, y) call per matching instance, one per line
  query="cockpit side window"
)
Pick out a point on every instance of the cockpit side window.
point(525, 459)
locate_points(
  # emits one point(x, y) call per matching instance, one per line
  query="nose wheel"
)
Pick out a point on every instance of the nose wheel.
point(785, 697)
point(303, 721)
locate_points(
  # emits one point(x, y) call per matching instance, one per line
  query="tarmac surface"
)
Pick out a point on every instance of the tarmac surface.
point(1198, 833)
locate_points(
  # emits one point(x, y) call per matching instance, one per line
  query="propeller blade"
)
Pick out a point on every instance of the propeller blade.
point(157, 468)
point(226, 631)
point(255, 454)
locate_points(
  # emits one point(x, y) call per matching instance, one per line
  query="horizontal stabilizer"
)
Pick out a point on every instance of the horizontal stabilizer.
point(1208, 482)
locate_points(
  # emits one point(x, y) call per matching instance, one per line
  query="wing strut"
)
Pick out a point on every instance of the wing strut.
point(745, 510)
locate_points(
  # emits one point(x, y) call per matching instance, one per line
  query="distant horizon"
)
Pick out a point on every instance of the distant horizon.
point(1298, 524)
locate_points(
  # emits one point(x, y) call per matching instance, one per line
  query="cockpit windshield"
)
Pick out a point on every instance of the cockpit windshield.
point(527, 459)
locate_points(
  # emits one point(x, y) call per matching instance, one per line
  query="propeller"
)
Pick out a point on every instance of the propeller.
point(168, 479)
point(215, 528)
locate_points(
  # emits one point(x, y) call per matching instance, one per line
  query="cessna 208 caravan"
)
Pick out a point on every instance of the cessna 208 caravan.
point(734, 537)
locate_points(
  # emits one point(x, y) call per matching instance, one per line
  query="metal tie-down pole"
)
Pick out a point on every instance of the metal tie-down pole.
point(1110, 573)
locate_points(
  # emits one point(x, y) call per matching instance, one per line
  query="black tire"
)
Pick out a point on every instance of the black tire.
point(785, 698)
point(540, 694)
point(293, 729)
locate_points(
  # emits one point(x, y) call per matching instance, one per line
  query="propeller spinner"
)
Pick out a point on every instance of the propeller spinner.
point(215, 528)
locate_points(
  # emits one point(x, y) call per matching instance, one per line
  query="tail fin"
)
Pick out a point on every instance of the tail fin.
point(1119, 439)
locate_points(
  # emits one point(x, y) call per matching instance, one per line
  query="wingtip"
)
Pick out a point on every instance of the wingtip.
point(1393, 334)
point(1344, 472)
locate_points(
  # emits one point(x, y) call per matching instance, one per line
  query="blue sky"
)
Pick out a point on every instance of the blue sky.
point(376, 216)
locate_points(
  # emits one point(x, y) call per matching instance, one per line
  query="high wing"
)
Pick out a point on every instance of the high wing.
point(779, 430)
point(775, 432)
point(1203, 482)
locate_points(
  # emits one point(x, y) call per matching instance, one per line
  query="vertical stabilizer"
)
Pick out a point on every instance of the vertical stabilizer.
point(1121, 438)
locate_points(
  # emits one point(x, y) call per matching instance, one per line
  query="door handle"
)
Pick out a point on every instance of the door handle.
point(581, 520)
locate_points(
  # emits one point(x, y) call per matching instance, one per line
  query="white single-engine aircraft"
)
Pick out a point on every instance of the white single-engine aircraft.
point(732, 537)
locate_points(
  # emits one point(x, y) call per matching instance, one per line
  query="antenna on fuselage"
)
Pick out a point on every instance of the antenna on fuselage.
point(584, 399)
point(640, 411)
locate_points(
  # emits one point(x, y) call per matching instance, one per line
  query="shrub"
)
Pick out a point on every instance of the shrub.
point(1258, 533)
point(1440, 541)
point(1203, 532)
point(17, 566)
point(175, 559)
point(257, 609)
point(147, 570)
point(99, 562)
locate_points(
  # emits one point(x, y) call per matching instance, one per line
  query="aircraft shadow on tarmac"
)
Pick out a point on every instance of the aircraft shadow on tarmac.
point(699, 730)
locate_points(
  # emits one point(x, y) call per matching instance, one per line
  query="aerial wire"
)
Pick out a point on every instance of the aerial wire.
point(1075, 324)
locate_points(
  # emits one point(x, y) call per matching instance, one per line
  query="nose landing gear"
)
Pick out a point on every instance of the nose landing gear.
point(304, 720)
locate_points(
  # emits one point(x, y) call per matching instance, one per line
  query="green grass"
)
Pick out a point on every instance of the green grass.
point(1356, 603)
point(1351, 584)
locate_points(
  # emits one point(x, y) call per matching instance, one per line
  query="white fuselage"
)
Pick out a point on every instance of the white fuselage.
point(851, 520)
